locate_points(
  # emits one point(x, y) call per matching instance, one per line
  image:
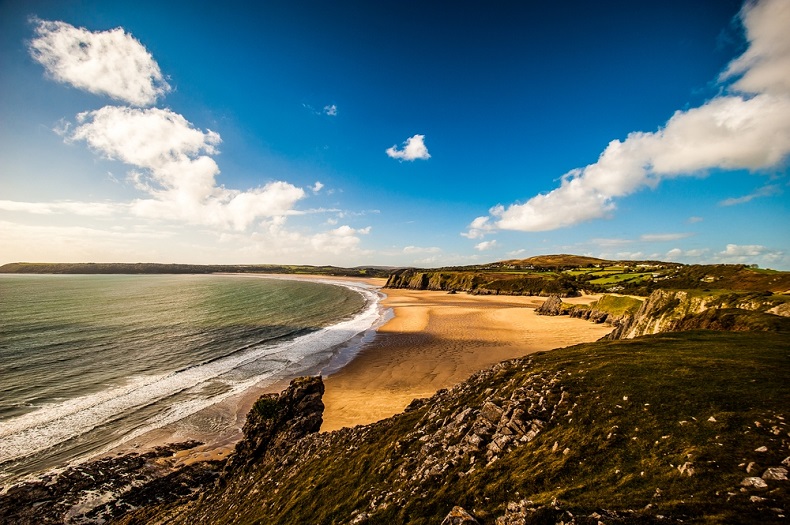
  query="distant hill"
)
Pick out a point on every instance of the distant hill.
point(562, 260)
point(157, 268)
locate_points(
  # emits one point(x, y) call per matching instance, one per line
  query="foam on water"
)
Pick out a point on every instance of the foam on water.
point(56, 423)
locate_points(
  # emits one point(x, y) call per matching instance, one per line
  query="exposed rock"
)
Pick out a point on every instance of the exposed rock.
point(277, 419)
point(775, 474)
point(551, 306)
point(458, 516)
point(96, 491)
point(754, 482)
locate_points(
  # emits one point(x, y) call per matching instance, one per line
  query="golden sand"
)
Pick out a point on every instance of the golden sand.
point(437, 340)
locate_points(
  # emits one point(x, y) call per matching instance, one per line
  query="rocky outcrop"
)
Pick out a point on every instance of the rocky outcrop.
point(278, 420)
point(101, 490)
point(108, 488)
point(551, 306)
point(677, 311)
point(526, 441)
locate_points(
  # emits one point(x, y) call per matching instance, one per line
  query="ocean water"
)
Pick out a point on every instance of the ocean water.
point(88, 362)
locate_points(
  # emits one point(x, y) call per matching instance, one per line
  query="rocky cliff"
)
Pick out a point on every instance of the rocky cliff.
point(484, 283)
point(643, 431)
point(677, 310)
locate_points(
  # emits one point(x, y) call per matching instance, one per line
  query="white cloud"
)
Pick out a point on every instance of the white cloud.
point(744, 250)
point(729, 132)
point(338, 241)
point(88, 209)
point(485, 245)
point(694, 220)
point(318, 186)
point(413, 149)
point(516, 253)
point(478, 228)
point(663, 237)
point(610, 242)
point(177, 172)
point(765, 191)
point(750, 254)
point(763, 67)
point(111, 63)
point(330, 110)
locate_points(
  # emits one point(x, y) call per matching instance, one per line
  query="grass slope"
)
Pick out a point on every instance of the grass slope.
point(653, 430)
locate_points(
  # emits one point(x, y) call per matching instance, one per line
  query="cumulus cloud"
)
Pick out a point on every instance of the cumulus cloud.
point(176, 169)
point(111, 63)
point(744, 250)
point(485, 245)
point(330, 110)
point(749, 129)
point(339, 240)
point(318, 186)
point(413, 149)
point(765, 191)
point(479, 228)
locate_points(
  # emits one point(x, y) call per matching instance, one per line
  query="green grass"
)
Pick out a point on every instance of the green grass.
point(636, 411)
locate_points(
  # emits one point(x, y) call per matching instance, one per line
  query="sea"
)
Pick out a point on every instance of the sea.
point(90, 362)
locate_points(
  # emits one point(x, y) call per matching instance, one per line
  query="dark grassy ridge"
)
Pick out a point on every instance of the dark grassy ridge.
point(156, 268)
point(652, 430)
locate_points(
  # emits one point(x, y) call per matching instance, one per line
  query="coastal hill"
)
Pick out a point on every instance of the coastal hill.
point(689, 427)
point(681, 416)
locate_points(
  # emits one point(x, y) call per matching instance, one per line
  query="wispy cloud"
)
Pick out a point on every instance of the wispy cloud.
point(765, 191)
point(414, 148)
point(330, 110)
point(412, 250)
point(664, 237)
point(749, 129)
point(111, 63)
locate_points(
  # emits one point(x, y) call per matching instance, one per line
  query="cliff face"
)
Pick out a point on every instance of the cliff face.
point(676, 311)
point(585, 434)
point(483, 283)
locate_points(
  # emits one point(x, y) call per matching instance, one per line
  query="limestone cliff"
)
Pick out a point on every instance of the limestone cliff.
point(674, 311)
point(678, 310)
point(484, 283)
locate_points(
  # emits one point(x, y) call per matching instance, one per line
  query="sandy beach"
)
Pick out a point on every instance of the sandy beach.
point(435, 340)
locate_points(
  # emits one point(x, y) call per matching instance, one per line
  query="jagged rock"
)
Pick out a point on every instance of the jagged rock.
point(274, 419)
point(458, 516)
point(98, 491)
point(551, 306)
point(775, 474)
point(754, 482)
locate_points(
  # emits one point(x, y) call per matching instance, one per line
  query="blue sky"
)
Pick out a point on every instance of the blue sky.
point(408, 133)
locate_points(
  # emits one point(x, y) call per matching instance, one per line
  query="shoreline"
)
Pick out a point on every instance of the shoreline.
point(423, 341)
point(434, 340)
